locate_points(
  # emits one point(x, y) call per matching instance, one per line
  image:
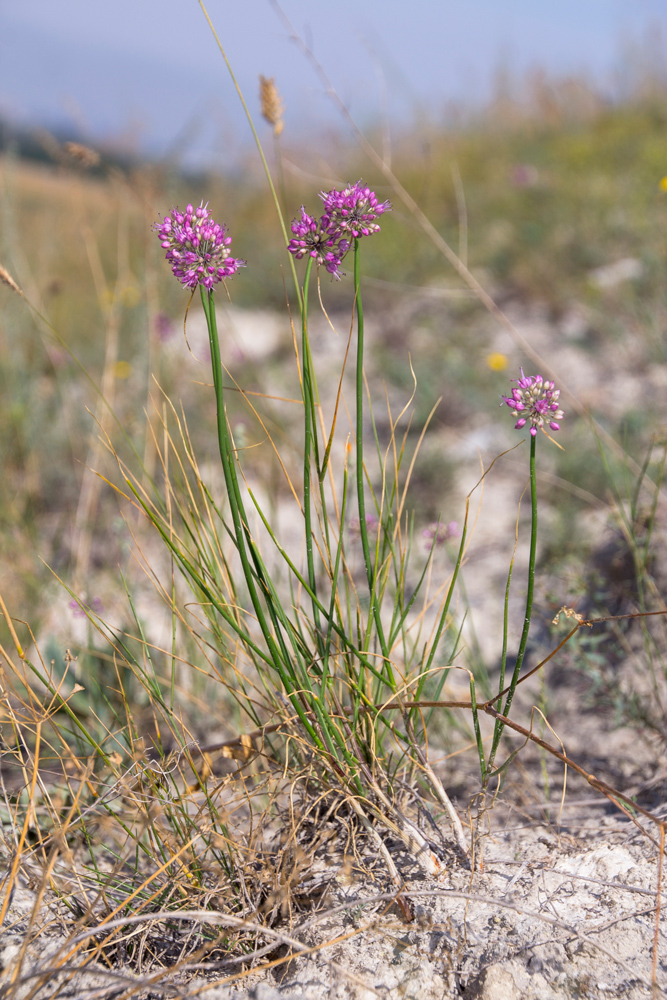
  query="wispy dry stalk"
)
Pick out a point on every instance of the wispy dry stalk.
point(273, 108)
point(6, 277)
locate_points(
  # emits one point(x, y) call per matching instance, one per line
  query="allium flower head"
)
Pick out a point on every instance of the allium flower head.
point(354, 210)
point(535, 400)
point(348, 215)
point(198, 249)
point(319, 240)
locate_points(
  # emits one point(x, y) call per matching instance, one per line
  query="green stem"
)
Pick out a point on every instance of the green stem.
point(361, 499)
point(374, 611)
point(478, 732)
point(309, 432)
point(506, 609)
point(334, 592)
point(241, 530)
point(529, 603)
point(442, 621)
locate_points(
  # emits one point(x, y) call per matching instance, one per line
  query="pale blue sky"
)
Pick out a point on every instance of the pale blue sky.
point(150, 68)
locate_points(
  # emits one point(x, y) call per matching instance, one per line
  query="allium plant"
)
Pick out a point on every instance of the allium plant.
point(198, 248)
point(331, 657)
point(335, 664)
point(533, 401)
point(347, 213)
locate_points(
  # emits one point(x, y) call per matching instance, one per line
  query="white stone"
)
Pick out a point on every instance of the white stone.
point(611, 275)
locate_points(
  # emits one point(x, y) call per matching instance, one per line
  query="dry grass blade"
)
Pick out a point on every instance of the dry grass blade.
point(16, 862)
point(215, 919)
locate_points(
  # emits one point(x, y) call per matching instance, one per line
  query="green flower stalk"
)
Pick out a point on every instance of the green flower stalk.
point(198, 250)
point(533, 400)
point(349, 215)
point(332, 667)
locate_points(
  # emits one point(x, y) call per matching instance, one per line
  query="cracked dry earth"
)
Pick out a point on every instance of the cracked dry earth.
point(553, 915)
point(549, 917)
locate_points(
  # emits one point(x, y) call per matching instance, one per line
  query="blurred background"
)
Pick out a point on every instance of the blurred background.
point(146, 77)
point(532, 136)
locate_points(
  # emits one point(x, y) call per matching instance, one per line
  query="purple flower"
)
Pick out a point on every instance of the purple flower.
point(164, 327)
point(437, 533)
point(536, 401)
point(354, 210)
point(348, 215)
point(80, 609)
point(524, 175)
point(197, 247)
point(318, 240)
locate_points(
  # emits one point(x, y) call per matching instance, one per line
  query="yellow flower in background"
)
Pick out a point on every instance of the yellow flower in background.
point(663, 184)
point(496, 361)
point(122, 369)
point(130, 296)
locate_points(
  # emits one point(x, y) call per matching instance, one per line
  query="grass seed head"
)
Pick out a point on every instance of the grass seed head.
point(8, 280)
point(273, 108)
point(84, 156)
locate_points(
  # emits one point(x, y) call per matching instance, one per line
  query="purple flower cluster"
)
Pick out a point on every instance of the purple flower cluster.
point(315, 239)
point(437, 533)
point(353, 210)
point(198, 249)
point(536, 400)
point(348, 215)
